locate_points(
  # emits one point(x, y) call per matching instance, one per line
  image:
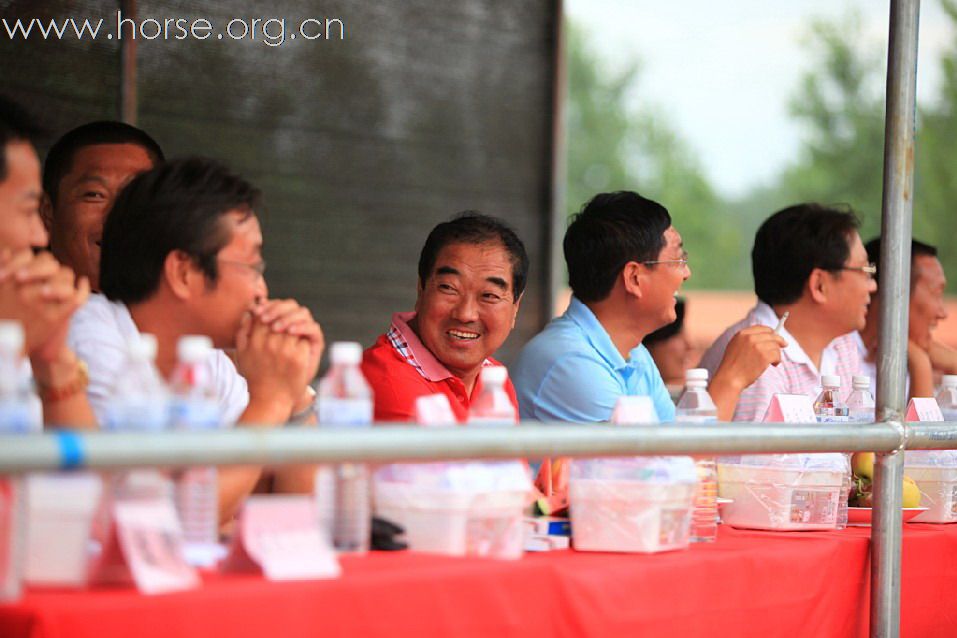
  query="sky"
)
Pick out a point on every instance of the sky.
point(723, 72)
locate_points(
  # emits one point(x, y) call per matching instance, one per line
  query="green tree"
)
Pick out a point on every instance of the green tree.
point(615, 144)
point(841, 104)
point(935, 187)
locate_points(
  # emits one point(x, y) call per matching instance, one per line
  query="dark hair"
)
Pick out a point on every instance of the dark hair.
point(611, 230)
point(794, 241)
point(472, 227)
point(174, 206)
point(669, 330)
point(59, 160)
point(15, 126)
point(917, 248)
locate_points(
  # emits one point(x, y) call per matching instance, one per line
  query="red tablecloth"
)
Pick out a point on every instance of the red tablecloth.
point(747, 584)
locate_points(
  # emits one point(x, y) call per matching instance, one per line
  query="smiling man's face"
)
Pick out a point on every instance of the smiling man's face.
point(466, 308)
point(84, 197)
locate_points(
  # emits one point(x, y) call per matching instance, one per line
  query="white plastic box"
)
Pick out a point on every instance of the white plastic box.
point(938, 492)
point(455, 519)
point(779, 497)
point(630, 516)
point(60, 511)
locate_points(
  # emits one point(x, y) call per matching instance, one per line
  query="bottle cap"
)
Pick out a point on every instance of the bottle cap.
point(345, 353)
point(831, 380)
point(193, 348)
point(494, 375)
point(696, 374)
point(11, 337)
point(861, 382)
point(143, 347)
point(949, 380)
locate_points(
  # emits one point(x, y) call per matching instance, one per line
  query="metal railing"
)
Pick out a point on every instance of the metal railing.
point(271, 446)
point(281, 446)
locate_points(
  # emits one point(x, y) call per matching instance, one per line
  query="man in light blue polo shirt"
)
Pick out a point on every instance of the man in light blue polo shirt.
point(625, 264)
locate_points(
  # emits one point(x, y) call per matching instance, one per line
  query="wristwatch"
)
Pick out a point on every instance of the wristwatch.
point(53, 394)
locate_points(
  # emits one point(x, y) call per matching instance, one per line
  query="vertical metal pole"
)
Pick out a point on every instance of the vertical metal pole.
point(129, 101)
point(555, 228)
point(895, 291)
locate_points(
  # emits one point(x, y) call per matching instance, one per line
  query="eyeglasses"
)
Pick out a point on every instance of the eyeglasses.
point(870, 269)
point(683, 261)
point(259, 267)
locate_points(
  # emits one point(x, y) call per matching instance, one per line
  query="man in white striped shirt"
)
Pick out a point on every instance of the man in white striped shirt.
point(808, 260)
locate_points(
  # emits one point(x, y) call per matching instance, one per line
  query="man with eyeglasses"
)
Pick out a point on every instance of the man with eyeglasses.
point(808, 261)
point(182, 255)
point(926, 308)
point(626, 263)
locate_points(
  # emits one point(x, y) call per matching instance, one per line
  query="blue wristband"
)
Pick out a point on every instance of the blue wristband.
point(71, 450)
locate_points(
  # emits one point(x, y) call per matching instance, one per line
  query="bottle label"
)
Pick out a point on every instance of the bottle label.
point(344, 412)
point(832, 418)
point(193, 414)
point(814, 506)
point(696, 418)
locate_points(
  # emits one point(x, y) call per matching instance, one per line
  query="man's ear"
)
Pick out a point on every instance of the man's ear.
point(46, 213)
point(818, 284)
point(518, 302)
point(631, 276)
point(181, 274)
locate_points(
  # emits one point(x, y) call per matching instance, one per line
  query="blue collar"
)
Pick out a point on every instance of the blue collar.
point(599, 338)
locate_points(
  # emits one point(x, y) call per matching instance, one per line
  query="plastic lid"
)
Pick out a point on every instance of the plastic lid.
point(11, 337)
point(193, 348)
point(696, 374)
point(832, 381)
point(949, 380)
point(862, 382)
point(345, 353)
point(143, 347)
point(494, 375)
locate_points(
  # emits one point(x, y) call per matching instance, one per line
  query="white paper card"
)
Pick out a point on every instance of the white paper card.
point(152, 543)
point(790, 408)
point(434, 410)
point(634, 410)
point(281, 534)
point(923, 409)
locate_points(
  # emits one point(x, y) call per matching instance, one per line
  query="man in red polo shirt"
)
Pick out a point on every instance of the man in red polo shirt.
point(472, 272)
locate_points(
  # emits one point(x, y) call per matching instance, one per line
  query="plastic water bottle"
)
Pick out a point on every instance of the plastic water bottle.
point(194, 407)
point(860, 403)
point(139, 402)
point(343, 491)
point(17, 416)
point(695, 406)
point(947, 397)
point(830, 408)
point(493, 405)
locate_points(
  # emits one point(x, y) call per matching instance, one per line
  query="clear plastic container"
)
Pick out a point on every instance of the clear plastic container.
point(343, 491)
point(935, 472)
point(458, 509)
point(632, 504)
point(782, 491)
point(194, 407)
point(696, 406)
